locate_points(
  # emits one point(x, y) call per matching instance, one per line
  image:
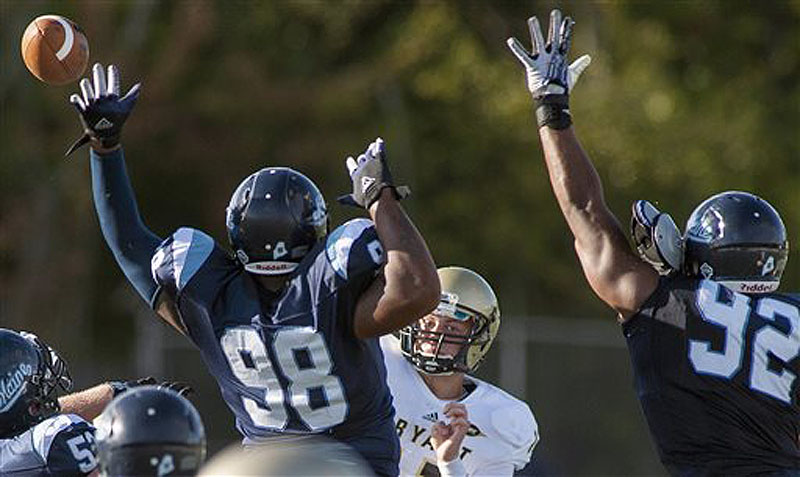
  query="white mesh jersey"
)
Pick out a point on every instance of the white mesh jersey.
point(503, 432)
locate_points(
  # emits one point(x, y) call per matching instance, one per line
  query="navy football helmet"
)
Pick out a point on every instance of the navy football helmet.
point(736, 239)
point(30, 374)
point(149, 431)
point(274, 218)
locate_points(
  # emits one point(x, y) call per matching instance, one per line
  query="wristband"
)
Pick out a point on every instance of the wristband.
point(552, 111)
point(454, 468)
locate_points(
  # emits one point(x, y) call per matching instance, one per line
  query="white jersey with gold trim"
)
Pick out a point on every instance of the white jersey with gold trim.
point(503, 432)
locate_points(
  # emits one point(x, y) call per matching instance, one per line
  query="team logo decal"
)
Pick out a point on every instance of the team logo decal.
point(707, 271)
point(164, 466)
point(12, 384)
point(447, 304)
point(280, 250)
point(768, 266)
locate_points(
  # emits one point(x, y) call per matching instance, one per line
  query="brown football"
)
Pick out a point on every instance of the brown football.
point(55, 49)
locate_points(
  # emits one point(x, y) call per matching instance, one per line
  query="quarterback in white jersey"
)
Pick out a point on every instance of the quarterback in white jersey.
point(449, 423)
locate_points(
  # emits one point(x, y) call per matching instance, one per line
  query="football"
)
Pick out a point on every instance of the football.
point(54, 49)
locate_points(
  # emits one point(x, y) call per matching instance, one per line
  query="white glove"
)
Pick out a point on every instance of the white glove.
point(549, 77)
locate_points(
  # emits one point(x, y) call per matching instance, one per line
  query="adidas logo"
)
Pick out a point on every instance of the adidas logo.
point(104, 124)
point(366, 182)
point(433, 417)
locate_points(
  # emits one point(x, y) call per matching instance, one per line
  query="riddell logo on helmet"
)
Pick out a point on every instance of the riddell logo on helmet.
point(272, 266)
point(750, 287)
point(756, 287)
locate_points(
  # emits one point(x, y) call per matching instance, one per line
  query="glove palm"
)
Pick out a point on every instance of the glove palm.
point(101, 110)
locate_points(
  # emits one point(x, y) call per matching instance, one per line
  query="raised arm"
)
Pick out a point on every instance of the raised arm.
point(612, 268)
point(409, 286)
point(102, 113)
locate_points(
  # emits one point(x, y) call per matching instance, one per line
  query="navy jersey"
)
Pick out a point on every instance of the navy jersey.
point(288, 362)
point(716, 375)
point(60, 445)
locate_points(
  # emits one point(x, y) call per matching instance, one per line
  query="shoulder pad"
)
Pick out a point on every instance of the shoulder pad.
point(354, 246)
point(515, 424)
point(180, 256)
point(46, 431)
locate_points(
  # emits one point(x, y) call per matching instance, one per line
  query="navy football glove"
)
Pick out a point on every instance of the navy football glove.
point(370, 175)
point(549, 76)
point(102, 112)
point(120, 387)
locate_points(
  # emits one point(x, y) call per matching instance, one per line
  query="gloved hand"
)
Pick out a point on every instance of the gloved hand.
point(102, 112)
point(550, 79)
point(120, 387)
point(370, 175)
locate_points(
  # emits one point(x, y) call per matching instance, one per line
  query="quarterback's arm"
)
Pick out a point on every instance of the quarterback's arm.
point(613, 270)
point(131, 242)
point(409, 286)
point(88, 403)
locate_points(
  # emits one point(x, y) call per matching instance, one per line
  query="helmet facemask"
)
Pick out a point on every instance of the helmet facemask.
point(436, 362)
point(51, 377)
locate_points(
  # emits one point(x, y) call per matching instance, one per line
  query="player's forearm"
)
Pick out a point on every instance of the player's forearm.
point(130, 241)
point(88, 403)
point(577, 187)
point(412, 285)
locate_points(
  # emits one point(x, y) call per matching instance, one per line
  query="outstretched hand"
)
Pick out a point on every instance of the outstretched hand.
point(546, 63)
point(101, 110)
point(550, 78)
point(370, 175)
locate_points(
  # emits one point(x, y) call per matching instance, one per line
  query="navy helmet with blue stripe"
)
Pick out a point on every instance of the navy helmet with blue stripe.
point(274, 218)
point(737, 239)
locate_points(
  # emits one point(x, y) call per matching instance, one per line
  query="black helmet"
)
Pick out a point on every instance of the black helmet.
point(30, 373)
point(736, 239)
point(274, 218)
point(150, 431)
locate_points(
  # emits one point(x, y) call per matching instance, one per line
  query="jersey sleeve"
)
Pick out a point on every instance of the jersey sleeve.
point(179, 258)
point(191, 271)
point(519, 429)
point(355, 254)
point(668, 303)
point(66, 444)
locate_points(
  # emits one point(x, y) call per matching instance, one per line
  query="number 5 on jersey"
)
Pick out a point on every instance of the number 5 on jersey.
point(303, 359)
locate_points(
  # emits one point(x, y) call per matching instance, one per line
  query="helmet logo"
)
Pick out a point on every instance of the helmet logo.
point(447, 304)
point(280, 250)
point(769, 266)
point(706, 270)
point(165, 465)
point(700, 233)
point(11, 385)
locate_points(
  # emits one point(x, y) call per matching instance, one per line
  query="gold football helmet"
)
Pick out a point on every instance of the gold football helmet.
point(465, 296)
